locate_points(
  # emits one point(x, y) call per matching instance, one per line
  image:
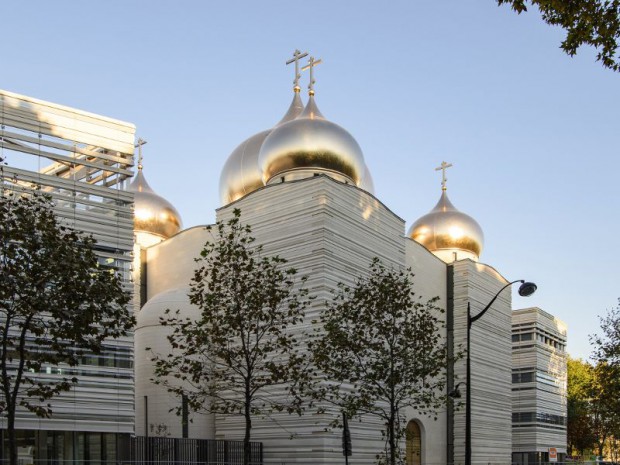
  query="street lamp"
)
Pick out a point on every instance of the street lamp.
point(526, 289)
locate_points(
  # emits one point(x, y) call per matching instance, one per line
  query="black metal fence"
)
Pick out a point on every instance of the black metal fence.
point(175, 451)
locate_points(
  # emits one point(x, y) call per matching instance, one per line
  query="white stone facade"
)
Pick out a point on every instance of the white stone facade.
point(330, 231)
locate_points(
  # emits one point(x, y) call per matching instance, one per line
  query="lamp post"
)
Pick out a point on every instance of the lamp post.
point(526, 289)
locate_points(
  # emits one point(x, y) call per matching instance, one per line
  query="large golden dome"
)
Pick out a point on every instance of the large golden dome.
point(448, 233)
point(311, 144)
point(241, 173)
point(152, 214)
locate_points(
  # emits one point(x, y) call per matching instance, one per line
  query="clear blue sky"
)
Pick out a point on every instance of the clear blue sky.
point(532, 133)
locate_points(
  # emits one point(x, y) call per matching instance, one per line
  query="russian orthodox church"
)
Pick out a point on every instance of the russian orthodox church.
point(305, 188)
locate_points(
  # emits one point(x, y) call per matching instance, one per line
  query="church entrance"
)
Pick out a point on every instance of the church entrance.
point(414, 444)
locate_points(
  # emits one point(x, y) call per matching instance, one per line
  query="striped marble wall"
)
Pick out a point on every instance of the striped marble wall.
point(330, 232)
point(490, 363)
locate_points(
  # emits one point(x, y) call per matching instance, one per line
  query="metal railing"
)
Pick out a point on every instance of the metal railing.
point(174, 451)
point(139, 450)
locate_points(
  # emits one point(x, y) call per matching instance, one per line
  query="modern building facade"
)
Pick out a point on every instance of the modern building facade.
point(82, 160)
point(538, 387)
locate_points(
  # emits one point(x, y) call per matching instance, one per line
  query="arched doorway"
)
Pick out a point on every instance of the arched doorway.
point(414, 444)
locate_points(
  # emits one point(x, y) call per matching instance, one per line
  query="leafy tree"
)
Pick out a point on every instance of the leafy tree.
point(244, 342)
point(607, 345)
point(605, 404)
point(587, 22)
point(580, 385)
point(593, 403)
point(56, 303)
point(382, 350)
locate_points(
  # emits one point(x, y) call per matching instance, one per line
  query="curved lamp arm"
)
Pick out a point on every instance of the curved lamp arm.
point(455, 393)
point(479, 315)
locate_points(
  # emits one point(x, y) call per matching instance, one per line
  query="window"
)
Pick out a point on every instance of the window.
point(538, 417)
point(522, 337)
point(526, 377)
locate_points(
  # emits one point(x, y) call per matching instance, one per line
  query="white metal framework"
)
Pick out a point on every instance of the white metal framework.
point(81, 160)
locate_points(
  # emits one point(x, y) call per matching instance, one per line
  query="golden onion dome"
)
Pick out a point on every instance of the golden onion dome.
point(448, 233)
point(311, 144)
point(241, 173)
point(152, 214)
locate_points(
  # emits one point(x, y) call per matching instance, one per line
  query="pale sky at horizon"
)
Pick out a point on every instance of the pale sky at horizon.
point(531, 132)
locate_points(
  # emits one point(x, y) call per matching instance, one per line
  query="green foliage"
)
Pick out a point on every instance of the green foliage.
point(580, 385)
point(382, 350)
point(593, 402)
point(607, 345)
point(587, 22)
point(56, 302)
point(579, 379)
point(244, 342)
point(605, 406)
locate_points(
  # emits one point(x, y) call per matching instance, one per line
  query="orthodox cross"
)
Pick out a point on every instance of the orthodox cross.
point(444, 166)
point(311, 64)
point(296, 57)
point(139, 144)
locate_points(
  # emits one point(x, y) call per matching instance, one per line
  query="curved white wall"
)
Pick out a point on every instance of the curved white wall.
point(170, 264)
point(150, 333)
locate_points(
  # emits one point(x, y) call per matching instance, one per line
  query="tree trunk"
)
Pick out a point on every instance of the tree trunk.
point(246, 438)
point(12, 439)
point(601, 446)
point(391, 438)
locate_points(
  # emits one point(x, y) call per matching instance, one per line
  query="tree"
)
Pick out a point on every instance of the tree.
point(604, 404)
point(244, 344)
point(580, 384)
point(381, 350)
point(593, 403)
point(605, 401)
point(587, 22)
point(607, 345)
point(56, 303)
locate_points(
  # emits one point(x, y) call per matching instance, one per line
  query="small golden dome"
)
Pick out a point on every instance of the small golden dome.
point(152, 214)
point(241, 173)
point(448, 233)
point(311, 144)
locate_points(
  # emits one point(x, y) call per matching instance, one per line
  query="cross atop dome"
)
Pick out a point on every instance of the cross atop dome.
point(444, 166)
point(297, 55)
point(311, 64)
point(139, 145)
